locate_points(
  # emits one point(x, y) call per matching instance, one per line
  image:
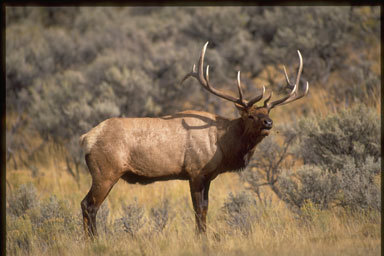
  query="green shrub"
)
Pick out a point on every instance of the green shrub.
point(160, 216)
point(310, 183)
point(22, 200)
point(238, 212)
point(132, 219)
point(44, 221)
point(54, 208)
point(329, 142)
point(358, 187)
point(342, 155)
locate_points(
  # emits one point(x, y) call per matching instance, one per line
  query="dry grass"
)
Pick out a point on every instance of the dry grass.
point(277, 231)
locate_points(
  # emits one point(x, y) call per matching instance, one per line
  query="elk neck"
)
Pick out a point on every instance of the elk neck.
point(238, 144)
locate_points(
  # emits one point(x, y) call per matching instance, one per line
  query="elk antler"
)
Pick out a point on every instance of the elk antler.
point(293, 95)
point(204, 81)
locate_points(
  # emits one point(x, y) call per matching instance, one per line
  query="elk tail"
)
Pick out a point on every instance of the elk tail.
point(82, 140)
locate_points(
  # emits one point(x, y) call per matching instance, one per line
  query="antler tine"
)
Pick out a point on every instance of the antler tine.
point(192, 73)
point(257, 98)
point(297, 96)
point(282, 100)
point(293, 95)
point(201, 66)
point(289, 84)
point(220, 93)
point(239, 86)
point(207, 74)
point(300, 69)
point(267, 99)
point(252, 101)
point(198, 73)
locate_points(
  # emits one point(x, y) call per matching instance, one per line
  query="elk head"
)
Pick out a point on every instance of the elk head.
point(256, 118)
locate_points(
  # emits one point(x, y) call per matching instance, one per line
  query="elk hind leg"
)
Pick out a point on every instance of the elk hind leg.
point(101, 186)
point(91, 204)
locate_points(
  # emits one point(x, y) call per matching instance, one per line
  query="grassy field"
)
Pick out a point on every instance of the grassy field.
point(275, 230)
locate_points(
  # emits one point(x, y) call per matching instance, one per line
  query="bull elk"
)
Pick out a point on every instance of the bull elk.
point(190, 145)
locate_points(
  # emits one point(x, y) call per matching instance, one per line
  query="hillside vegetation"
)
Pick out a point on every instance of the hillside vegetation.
point(312, 187)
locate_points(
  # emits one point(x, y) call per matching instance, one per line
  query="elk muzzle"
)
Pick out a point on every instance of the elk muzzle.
point(267, 123)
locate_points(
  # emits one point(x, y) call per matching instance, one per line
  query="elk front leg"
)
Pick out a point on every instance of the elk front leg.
point(199, 194)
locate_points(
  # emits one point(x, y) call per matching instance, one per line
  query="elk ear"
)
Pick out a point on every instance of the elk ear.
point(242, 110)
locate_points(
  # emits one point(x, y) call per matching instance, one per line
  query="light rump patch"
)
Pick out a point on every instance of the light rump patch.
point(88, 140)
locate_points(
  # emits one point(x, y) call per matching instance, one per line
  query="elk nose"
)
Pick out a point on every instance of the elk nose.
point(268, 123)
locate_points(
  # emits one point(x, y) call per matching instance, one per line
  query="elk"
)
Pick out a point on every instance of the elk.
point(190, 145)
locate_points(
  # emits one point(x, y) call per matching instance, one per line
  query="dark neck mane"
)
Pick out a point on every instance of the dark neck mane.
point(238, 145)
